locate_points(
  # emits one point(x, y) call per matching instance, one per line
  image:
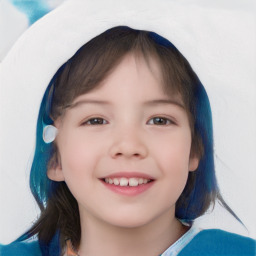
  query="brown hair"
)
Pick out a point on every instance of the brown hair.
point(91, 64)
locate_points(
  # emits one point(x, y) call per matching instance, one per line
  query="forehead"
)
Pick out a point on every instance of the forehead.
point(134, 79)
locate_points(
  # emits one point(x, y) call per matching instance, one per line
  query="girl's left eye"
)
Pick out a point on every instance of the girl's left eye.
point(95, 121)
point(161, 121)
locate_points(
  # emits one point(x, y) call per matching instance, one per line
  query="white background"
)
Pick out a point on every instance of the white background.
point(226, 64)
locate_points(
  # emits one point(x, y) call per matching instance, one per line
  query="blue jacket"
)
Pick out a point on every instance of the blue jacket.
point(217, 242)
point(206, 243)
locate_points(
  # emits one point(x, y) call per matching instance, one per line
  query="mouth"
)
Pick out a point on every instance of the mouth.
point(124, 182)
point(128, 186)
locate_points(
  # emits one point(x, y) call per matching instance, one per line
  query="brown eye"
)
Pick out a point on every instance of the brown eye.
point(95, 121)
point(161, 121)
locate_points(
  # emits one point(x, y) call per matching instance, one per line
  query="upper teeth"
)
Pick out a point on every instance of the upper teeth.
point(133, 182)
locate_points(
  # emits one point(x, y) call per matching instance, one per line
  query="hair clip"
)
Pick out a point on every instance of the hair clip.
point(49, 133)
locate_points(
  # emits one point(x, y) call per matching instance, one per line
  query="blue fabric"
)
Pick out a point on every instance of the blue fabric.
point(217, 242)
point(212, 242)
point(21, 249)
point(34, 9)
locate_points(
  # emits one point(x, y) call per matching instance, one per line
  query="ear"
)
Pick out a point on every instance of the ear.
point(193, 163)
point(54, 171)
point(55, 174)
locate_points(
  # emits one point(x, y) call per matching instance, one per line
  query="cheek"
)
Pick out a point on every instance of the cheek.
point(174, 151)
point(78, 155)
point(173, 161)
point(78, 164)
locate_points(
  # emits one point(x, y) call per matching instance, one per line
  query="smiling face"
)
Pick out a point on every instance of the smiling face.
point(127, 130)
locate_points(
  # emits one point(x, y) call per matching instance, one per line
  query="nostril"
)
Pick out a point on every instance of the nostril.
point(128, 149)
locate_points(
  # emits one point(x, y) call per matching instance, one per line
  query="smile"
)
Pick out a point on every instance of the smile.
point(128, 184)
point(132, 182)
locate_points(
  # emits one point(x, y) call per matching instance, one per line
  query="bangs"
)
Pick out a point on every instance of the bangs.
point(94, 61)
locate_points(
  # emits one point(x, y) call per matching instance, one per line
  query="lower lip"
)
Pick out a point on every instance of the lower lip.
point(127, 190)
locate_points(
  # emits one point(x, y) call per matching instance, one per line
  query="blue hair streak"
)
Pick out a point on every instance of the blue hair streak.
point(205, 182)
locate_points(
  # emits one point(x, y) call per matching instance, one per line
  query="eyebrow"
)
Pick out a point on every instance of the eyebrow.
point(146, 103)
point(82, 102)
point(164, 102)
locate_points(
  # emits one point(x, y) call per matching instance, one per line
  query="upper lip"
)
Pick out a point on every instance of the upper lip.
point(129, 175)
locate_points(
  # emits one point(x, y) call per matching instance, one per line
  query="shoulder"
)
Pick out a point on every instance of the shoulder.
point(23, 248)
point(219, 242)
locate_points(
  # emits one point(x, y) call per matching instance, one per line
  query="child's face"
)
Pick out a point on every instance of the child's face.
point(128, 141)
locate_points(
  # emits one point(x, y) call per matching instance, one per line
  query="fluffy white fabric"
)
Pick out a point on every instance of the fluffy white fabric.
point(217, 39)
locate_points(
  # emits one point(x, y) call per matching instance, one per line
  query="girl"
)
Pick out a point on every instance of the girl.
point(123, 163)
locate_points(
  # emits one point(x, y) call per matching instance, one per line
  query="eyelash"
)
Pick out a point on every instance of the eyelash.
point(99, 118)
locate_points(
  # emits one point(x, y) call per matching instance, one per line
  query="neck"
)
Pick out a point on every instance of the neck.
point(100, 238)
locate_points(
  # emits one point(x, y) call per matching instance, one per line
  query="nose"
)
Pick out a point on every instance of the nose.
point(128, 143)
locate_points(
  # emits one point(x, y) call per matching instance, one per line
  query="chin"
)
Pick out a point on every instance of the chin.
point(129, 220)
